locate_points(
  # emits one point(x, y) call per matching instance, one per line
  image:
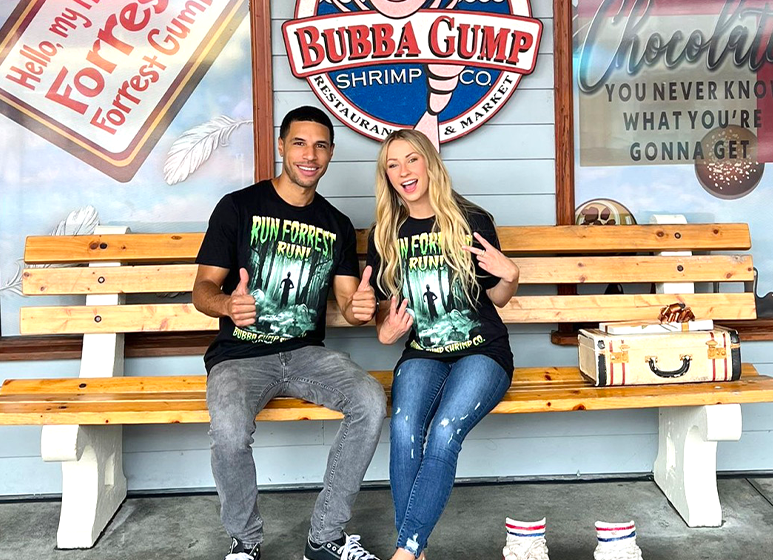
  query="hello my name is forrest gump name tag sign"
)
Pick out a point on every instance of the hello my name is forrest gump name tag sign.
point(444, 67)
point(104, 78)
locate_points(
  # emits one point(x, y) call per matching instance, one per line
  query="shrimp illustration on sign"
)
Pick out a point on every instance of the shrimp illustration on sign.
point(443, 78)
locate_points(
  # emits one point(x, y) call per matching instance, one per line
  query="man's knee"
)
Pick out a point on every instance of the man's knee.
point(231, 429)
point(230, 442)
point(368, 399)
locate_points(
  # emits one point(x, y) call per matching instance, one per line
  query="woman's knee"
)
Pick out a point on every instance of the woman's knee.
point(445, 439)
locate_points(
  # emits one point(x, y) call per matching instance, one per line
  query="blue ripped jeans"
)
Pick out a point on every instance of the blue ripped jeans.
point(440, 402)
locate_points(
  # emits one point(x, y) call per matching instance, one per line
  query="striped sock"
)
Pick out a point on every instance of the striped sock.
point(613, 532)
point(616, 541)
point(525, 540)
point(525, 528)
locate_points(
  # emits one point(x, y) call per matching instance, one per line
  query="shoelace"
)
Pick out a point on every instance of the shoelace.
point(618, 553)
point(239, 556)
point(243, 555)
point(535, 551)
point(352, 550)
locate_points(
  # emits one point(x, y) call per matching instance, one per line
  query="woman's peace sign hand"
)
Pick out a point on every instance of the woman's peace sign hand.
point(493, 261)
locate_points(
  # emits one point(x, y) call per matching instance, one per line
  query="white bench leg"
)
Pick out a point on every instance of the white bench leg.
point(686, 466)
point(93, 483)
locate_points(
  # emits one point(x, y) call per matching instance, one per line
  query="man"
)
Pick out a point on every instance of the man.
point(288, 285)
point(270, 345)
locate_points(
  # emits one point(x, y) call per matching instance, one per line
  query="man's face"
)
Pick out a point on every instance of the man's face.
point(306, 153)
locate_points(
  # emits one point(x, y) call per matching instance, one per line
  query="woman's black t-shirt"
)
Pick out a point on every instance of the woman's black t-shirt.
point(445, 326)
point(291, 254)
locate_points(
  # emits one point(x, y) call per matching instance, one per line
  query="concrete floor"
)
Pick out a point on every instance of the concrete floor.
point(472, 527)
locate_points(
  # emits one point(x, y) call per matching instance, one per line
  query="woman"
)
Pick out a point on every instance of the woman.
point(457, 363)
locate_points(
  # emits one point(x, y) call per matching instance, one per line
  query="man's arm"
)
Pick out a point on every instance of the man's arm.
point(356, 298)
point(208, 296)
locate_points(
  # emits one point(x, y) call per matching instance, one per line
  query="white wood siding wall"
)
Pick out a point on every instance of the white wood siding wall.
point(506, 167)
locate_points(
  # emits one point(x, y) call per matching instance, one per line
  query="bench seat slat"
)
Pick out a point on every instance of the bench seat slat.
point(142, 400)
point(547, 270)
point(521, 309)
point(31, 389)
point(183, 247)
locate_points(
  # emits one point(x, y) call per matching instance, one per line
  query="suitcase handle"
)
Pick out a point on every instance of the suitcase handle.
point(653, 362)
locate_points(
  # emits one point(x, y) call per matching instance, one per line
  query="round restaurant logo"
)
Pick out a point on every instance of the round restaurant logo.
point(443, 67)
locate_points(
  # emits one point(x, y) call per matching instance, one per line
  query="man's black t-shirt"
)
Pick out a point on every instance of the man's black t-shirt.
point(291, 254)
point(445, 325)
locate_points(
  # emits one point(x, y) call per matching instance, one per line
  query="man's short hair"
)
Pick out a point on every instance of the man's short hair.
point(305, 114)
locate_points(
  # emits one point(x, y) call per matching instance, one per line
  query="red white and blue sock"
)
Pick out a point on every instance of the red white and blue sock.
point(615, 532)
point(534, 529)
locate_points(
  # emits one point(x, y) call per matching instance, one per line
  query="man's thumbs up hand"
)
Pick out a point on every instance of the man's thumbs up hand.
point(241, 304)
point(244, 280)
point(364, 299)
point(365, 282)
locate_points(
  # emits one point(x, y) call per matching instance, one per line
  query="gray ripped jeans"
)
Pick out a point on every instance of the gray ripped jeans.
point(238, 389)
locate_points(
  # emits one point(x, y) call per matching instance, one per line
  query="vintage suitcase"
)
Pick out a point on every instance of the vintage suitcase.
point(647, 359)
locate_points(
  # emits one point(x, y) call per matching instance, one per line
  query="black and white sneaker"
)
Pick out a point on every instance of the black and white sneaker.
point(348, 548)
point(239, 552)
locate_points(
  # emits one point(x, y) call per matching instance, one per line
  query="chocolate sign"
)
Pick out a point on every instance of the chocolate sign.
point(677, 82)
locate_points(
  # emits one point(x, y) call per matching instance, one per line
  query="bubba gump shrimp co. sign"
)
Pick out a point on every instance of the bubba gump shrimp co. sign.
point(444, 67)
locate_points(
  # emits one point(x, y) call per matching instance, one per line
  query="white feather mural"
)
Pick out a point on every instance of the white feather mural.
point(191, 150)
point(78, 222)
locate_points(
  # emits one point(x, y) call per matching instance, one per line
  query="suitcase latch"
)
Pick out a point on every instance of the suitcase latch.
point(620, 357)
point(715, 351)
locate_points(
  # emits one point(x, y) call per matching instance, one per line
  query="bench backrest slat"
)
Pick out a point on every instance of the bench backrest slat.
point(178, 317)
point(524, 240)
point(170, 278)
point(129, 248)
point(620, 239)
point(534, 270)
point(547, 255)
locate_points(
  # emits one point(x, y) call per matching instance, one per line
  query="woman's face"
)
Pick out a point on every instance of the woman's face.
point(407, 172)
point(397, 9)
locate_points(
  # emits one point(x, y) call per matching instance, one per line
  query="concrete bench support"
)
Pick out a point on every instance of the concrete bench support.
point(93, 483)
point(686, 466)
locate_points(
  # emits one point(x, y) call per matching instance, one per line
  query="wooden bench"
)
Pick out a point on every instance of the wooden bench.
point(82, 417)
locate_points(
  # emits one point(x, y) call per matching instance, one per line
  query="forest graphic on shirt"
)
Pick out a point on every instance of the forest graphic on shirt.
point(443, 318)
point(290, 268)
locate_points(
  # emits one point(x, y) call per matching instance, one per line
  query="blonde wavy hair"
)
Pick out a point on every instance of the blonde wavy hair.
point(450, 218)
